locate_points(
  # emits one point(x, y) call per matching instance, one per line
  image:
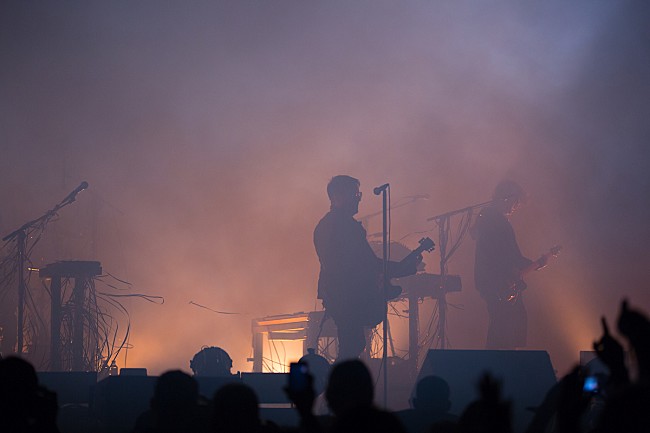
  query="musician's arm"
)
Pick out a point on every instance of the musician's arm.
point(406, 267)
point(541, 262)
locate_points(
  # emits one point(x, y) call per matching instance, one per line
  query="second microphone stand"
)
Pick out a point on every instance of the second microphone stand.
point(20, 235)
point(443, 221)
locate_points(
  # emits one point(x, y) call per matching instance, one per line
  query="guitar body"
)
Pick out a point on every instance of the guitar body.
point(513, 291)
point(518, 285)
point(392, 291)
point(374, 309)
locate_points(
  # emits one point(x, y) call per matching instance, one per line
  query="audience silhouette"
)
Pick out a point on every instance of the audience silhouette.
point(619, 404)
point(489, 413)
point(350, 395)
point(25, 406)
point(174, 407)
point(627, 402)
point(430, 406)
point(236, 410)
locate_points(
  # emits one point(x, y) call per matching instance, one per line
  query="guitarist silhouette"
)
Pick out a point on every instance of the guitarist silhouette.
point(350, 270)
point(499, 268)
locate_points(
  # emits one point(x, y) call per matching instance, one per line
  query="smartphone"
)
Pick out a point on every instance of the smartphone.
point(298, 376)
point(591, 385)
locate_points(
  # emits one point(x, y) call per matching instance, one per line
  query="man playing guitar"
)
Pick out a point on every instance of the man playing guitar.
point(350, 274)
point(499, 267)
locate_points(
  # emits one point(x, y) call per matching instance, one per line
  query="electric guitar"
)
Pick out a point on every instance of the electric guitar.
point(518, 285)
point(393, 291)
point(376, 297)
point(375, 307)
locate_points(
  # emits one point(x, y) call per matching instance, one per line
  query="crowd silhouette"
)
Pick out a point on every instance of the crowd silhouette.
point(619, 401)
point(429, 407)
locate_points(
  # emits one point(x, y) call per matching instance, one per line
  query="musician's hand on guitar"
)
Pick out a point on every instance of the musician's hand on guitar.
point(409, 265)
point(541, 262)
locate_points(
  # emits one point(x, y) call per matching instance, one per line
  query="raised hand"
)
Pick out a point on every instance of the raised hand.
point(611, 352)
point(489, 412)
point(636, 327)
point(489, 389)
point(633, 324)
point(303, 401)
point(572, 401)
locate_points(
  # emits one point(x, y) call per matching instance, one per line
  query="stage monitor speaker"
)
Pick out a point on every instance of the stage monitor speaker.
point(133, 371)
point(267, 386)
point(209, 385)
point(71, 387)
point(590, 360)
point(525, 375)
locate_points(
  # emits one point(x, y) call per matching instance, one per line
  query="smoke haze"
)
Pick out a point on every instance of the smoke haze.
point(208, 131)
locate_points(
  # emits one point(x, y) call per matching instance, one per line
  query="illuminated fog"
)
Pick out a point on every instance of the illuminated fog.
point(207, 132)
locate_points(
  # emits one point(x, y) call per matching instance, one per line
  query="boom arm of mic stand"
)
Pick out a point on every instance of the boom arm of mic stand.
point(374, 214)
point(21, 239)
point(458, 211)
point(29, 225)
point(49, 214)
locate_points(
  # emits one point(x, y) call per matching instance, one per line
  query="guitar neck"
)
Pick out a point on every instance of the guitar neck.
point(419, 250)
point(414, 253)
point(426, 244)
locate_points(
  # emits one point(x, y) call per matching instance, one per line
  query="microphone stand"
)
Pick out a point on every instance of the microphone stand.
point(20, 235)
point(386, 282)
point(443, 221)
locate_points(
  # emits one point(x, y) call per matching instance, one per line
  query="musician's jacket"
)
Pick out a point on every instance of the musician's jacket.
point(350, 280)
point(498, 260)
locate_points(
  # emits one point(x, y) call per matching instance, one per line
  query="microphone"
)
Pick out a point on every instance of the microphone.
point(379, 189)
point(73, 195)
